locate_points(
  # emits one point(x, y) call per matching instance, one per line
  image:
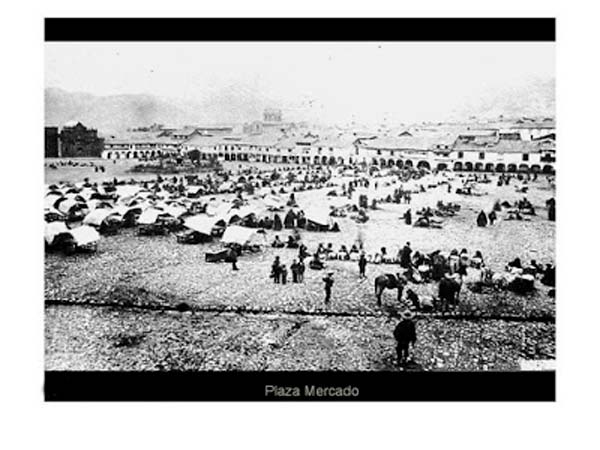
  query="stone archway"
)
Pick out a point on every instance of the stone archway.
point(391, 162)
point(423, 165)
point(399, 163)
point(324, 160)
point(458, 167)
point(478, 167)
point(382, 162)
point(548, 169)
point(469, 166)
point(408, 163)
point(511, 168)
point(442, 166)
point(489, 167)
point(523, 168)
point(535, 168)
point(500, 167)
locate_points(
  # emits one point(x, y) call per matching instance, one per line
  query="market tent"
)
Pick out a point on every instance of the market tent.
point(226, 186)
point(97, 216)
point(274, 203)
point(84, 235)
point(195, 190)
point(53, 229)
point(201, 223)
point(318, 215)
point(149, 216)
point(175, 210)
point(96, 204)
point(66, 205)
point(127, 190)
point(50, 200)
point(238, 235)
point(218, 209)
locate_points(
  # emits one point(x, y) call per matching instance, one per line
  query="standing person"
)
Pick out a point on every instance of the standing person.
point(482, 220)
point(405, 256)
point(276, 270)
point(408, 217)
point(283, 271)
point(234, 258)
point(328, 284)
point(294, 269)
point(362, 265)
point(406, 336)
point(301, 269)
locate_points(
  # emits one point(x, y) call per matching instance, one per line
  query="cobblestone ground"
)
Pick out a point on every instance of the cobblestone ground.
point(92, 338)
point(128, 269)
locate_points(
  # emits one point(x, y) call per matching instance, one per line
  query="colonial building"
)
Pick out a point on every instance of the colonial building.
point(51, 142)
point(475, 150)
point(137, 145)
point(78, 141)
point(272, 148)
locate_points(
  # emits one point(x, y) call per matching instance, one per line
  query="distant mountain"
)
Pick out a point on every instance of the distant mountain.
point(535, 98)
point(237, 104)
point(116, 113)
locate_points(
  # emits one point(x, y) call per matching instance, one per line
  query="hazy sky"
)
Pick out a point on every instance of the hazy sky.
point(336, 81)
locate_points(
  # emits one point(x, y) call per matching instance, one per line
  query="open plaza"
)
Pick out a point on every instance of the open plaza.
point(144, 300)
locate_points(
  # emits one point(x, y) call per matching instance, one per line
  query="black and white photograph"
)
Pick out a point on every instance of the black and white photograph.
point(299, 206)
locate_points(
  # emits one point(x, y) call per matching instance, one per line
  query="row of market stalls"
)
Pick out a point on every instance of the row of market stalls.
point(105, 210)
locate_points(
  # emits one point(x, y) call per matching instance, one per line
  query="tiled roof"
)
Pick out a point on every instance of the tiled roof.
point(501, 146)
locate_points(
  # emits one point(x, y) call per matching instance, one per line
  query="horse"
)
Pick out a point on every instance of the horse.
point(389, 281)
point(449, 290)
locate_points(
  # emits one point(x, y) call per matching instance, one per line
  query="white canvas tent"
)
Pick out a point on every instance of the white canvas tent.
point(128, 190)
point(317, 215)
point(97, 216)
point(201, 223)
point(239, 235)
point(85, 234)
point(149, 216)
point(53, 229)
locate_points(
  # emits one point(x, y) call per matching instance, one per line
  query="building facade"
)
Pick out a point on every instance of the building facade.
point(51, 142)
point(78, 141)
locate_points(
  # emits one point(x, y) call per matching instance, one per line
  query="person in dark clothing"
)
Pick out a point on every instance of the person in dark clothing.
point(301, 269)
point(492, 217)
point(482, 219)
point(413, 298)
point(234, 258)
point(283, 271)
point(276, 270)
point(408, 217)
point(406, 336)
point(362, 265)
point(405, 256)
point(552, 212)
point(294, 269)
point(328, 284)
point(549, 277)
point(516, 263)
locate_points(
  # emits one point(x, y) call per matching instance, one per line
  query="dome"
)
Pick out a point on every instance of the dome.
point(70, 124)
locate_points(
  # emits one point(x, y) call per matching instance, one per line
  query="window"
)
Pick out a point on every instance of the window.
point(461, 154)
point(481, 155)
point(379, 152)
point(525, 156)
